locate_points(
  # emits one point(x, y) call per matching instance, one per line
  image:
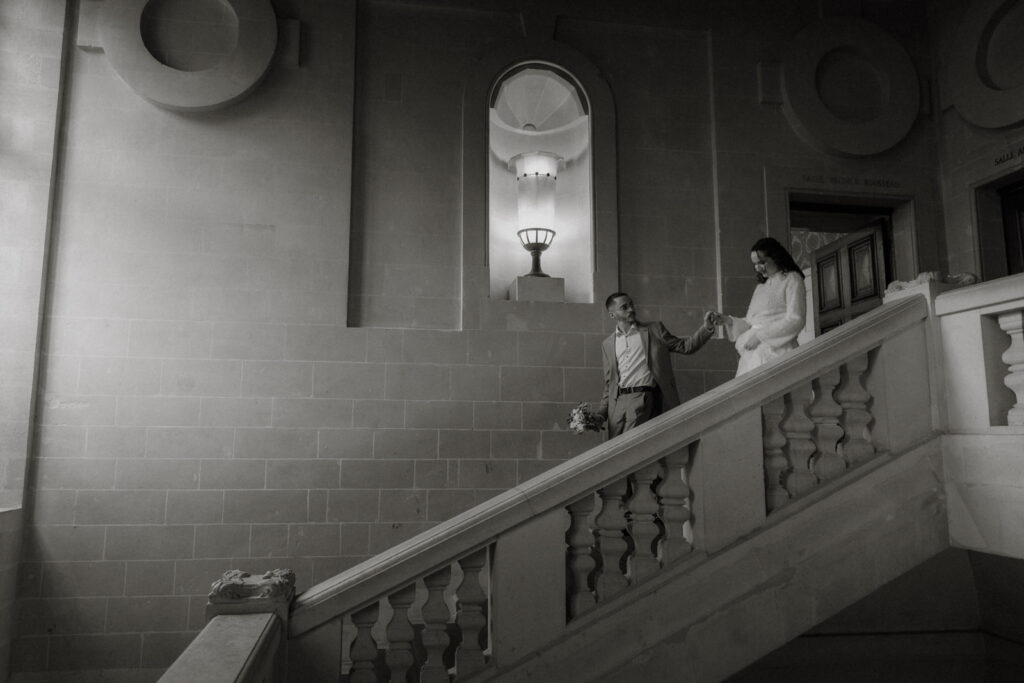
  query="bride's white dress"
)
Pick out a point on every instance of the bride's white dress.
point(776, 316)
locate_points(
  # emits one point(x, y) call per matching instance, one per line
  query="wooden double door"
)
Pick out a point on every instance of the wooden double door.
point(849, 275)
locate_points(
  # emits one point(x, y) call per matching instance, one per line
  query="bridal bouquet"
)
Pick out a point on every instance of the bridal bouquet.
point(582, 420)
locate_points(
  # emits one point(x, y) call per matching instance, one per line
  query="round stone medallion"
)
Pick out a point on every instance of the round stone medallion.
point(848, 88)
point(204, 58)
point(986, 68)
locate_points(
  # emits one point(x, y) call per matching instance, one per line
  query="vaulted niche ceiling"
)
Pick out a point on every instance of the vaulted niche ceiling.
point(537, 99)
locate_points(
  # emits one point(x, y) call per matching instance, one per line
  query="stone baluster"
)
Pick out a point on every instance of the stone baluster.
point(364, 648)
point(799, 448)
point(825, 413)
point(674, 494)
point(581, 556)
point(472, 616)
point(855, 446)
point(401, 634)
point(611, 543)
point(1013, 324)
point(643, 508)
point(435, 631)
point(775, 464)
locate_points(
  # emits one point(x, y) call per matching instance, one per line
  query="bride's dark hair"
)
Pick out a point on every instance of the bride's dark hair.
point(770, 247)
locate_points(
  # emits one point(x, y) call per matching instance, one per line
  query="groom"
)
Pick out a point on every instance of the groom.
point(638, 379)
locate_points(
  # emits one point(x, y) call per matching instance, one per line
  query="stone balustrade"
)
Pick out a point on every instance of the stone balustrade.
point(816, 432)
point(643, 523)
point(618, 536)
point(983, 348)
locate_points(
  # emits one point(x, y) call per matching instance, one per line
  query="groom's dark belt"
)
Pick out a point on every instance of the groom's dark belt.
point(633, 390)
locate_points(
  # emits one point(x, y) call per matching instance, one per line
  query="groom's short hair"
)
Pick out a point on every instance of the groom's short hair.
point(612, 297)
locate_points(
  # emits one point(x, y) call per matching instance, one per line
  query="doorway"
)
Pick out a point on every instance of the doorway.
point(1000, 221)
point(1012, 200)
point(846, 250)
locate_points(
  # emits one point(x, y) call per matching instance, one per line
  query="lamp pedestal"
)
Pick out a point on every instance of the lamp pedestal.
point(533, 288)
point(536, 285)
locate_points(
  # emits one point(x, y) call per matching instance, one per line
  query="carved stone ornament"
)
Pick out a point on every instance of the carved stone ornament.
point(238, 592)
point(954, 279)
point(848, 87)
point(239, 585)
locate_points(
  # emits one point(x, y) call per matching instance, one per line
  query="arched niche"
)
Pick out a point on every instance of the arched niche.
point(479, 164)
point(539, 176)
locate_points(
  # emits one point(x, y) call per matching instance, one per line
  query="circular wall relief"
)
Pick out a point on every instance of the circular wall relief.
point(849, 88)
point(208, 57)
point(986, 68)
point(189, 36)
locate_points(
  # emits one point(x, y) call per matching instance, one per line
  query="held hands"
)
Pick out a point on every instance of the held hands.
point(713, 319)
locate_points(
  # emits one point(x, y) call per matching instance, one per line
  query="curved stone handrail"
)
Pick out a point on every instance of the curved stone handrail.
point(598, 467)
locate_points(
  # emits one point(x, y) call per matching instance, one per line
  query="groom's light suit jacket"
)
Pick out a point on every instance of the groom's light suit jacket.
point(659, 343)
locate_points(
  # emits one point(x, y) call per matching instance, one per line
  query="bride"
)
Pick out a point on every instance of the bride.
point(777, 308)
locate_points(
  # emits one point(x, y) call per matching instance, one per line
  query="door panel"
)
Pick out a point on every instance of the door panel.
point(850, 277)
point(830, 288)
point(863, 273)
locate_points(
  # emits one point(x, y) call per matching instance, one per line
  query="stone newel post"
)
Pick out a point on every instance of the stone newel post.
point(238, 592)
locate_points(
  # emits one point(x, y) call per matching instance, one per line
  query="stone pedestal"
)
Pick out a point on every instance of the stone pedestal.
point(930, 289)
point(533, 288)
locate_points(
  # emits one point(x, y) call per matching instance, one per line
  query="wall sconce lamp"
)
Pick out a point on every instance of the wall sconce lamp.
point(536, 173)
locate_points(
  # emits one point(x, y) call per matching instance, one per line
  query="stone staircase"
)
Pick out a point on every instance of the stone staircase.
point(683, 550)
point(628, 548)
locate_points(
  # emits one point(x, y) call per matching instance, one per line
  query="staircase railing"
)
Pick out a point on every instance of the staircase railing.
point(492, 585)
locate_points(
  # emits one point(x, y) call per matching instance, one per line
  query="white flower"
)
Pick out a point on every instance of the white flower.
point(582, 420)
